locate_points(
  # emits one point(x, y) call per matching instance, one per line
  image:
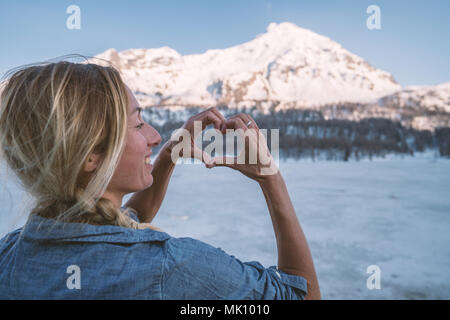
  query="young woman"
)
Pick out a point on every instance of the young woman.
point(74, 136)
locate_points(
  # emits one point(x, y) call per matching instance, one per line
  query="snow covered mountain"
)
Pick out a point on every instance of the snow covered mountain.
point(285, 67)
point(419, 107)
point(286, 64)
point(433, 98)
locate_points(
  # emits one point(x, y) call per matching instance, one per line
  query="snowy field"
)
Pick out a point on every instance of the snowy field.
point(393, 213)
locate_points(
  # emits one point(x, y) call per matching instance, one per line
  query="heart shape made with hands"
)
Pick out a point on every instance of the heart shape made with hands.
point(252, 146)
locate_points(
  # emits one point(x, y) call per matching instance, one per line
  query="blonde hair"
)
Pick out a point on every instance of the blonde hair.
point(52, 117)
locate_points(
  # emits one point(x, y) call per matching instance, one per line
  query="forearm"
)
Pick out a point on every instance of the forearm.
point(147, 202)
point(294, 256)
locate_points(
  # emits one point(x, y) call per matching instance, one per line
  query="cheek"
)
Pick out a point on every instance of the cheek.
point(135, 149)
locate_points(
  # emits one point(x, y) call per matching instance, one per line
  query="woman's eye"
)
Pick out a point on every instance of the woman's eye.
point(140, 125)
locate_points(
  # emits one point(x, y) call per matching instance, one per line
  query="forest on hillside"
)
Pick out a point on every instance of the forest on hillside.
point(307, 134)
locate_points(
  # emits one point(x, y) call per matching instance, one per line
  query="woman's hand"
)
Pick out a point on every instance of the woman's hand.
point(209, 116)
point(255, 161)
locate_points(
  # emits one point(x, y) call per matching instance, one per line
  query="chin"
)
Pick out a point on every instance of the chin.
point(149, 184)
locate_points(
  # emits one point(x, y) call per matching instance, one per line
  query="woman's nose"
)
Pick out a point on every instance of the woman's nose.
point(153, 137)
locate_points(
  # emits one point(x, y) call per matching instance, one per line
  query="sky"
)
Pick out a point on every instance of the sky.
point(412, 44)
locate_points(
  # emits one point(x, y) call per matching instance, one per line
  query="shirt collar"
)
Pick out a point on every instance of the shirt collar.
point(40, 228)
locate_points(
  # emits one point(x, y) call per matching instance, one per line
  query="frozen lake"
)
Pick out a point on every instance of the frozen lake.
point(393, 213)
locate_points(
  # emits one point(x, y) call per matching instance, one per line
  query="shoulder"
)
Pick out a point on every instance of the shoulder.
point(196, 252)
point(9, 240)
point(188, 246)
point(194, 269)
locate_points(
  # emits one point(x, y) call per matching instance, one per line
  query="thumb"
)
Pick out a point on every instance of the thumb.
point(224, 162)
point(203, 157)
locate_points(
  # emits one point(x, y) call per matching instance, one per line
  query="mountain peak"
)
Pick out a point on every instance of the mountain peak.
point(286, 65)
point(291, 29)
point(282, 26)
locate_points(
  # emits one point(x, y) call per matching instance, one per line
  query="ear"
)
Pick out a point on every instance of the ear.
point(92, 162)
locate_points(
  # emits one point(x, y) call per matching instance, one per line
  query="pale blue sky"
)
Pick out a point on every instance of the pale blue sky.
point(413, 43)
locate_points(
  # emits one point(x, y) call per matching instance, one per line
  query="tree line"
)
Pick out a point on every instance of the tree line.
point(307, 134)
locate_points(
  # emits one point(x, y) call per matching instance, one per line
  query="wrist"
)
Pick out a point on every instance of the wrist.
point(270, 180)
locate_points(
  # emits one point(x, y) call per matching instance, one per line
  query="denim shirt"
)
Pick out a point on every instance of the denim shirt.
point(50, 259)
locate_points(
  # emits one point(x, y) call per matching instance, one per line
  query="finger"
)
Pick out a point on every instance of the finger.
point(235, 122)
point(248, 118)
point(208, 118)
point(202, 156)
point(214, 111)
point(221, 117)
point(217, 113)
point(243, 117)
point(207, 160)
point(224, 161)
point(253, 124)
point(213, 118)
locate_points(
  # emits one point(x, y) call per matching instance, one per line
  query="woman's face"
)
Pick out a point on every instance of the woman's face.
point(132, 173)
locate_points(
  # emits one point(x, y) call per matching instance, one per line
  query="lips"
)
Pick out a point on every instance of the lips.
point(147, 158)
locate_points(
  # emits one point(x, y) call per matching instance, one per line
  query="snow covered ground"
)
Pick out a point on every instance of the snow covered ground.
point(393, 213)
